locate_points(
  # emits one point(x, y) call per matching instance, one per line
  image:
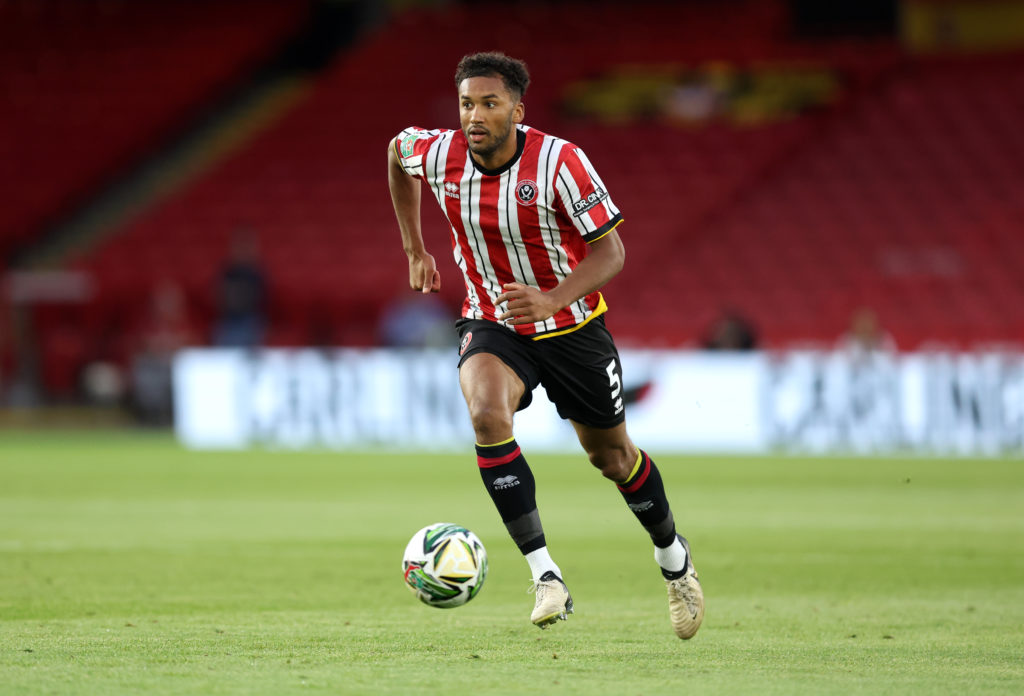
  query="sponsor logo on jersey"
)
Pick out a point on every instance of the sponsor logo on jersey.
point(451, 189)
point(503, 482)
point(408, 144)
point(526, 192)
point(465, 342)
point(585, 205)
point(641, 507)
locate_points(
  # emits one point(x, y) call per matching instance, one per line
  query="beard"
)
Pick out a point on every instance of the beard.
point(486, 149)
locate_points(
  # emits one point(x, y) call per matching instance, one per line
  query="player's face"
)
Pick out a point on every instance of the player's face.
point(488, 113)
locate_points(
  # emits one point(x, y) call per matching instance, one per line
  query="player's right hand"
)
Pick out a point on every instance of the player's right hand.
point(423, 274)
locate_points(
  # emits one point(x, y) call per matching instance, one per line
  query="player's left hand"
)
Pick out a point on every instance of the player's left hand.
point(526, 304)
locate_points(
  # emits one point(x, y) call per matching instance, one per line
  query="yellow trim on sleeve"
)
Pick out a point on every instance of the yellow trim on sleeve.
point(601, 308)
point(497, 444)
point(606, 233)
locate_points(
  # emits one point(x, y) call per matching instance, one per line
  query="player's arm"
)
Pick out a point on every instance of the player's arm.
point(527, 304)
point(405, 196)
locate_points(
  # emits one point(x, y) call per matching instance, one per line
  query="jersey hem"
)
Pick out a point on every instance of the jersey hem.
point(601, 308)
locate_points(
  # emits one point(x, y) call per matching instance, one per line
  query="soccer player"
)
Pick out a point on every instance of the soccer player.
point(534, 233)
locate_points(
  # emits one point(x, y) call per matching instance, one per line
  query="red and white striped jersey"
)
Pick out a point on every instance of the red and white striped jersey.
point(527, 222)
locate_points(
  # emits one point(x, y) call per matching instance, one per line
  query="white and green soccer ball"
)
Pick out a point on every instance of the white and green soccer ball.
point(445, 565)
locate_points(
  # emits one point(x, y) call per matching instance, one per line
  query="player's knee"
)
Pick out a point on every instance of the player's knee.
point(490, 424)
point(614, 462)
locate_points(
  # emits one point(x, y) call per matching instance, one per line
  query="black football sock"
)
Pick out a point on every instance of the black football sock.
point(510, 482)
point(645, 495)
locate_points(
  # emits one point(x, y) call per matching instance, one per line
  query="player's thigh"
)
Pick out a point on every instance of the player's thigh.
point(489, 384)
point(497, 368)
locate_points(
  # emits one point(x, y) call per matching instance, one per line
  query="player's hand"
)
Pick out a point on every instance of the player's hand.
point(526, 304)
point(423, 274)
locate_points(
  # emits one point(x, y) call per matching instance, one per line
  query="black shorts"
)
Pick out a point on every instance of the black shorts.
point(580, 370)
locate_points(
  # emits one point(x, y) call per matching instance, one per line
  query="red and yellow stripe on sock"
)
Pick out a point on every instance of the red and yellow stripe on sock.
point(488, 456)
point(638, 476)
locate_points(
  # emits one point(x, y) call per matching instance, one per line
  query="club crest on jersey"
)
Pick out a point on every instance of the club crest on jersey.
point(451, 189)
point(465, 342)
point(526, 192)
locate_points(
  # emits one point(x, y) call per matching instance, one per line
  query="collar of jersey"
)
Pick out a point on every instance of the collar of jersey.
point(520, 145)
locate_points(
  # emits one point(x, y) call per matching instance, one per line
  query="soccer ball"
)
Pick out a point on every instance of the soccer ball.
point(445, 565)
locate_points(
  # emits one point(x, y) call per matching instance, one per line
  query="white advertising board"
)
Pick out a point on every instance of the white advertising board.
point(676, 402)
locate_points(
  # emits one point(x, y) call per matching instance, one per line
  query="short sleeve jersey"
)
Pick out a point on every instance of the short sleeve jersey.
point(527, 222)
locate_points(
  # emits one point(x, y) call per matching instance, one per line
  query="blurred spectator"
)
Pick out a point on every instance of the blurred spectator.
point(417, 321)
point(241, 295)
point(731, 331)
point(866, 339)
point(103, 384)
point(164, 329)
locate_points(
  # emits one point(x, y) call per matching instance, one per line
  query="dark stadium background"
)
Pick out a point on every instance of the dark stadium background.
point(788, 163)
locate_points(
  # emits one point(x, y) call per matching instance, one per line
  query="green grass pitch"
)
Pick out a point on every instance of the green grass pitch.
point(128, 565)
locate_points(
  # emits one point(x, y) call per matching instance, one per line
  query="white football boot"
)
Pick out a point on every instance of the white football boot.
point(553, 600)
point(686, 599)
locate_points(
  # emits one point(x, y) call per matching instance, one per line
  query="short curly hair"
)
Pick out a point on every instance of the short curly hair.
point(512, 71)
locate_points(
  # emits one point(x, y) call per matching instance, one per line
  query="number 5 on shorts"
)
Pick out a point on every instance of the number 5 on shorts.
point(615, 383)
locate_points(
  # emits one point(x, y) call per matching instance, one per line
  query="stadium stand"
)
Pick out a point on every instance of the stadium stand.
point(899, 195)
point(88, 87)
point(908, 201)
